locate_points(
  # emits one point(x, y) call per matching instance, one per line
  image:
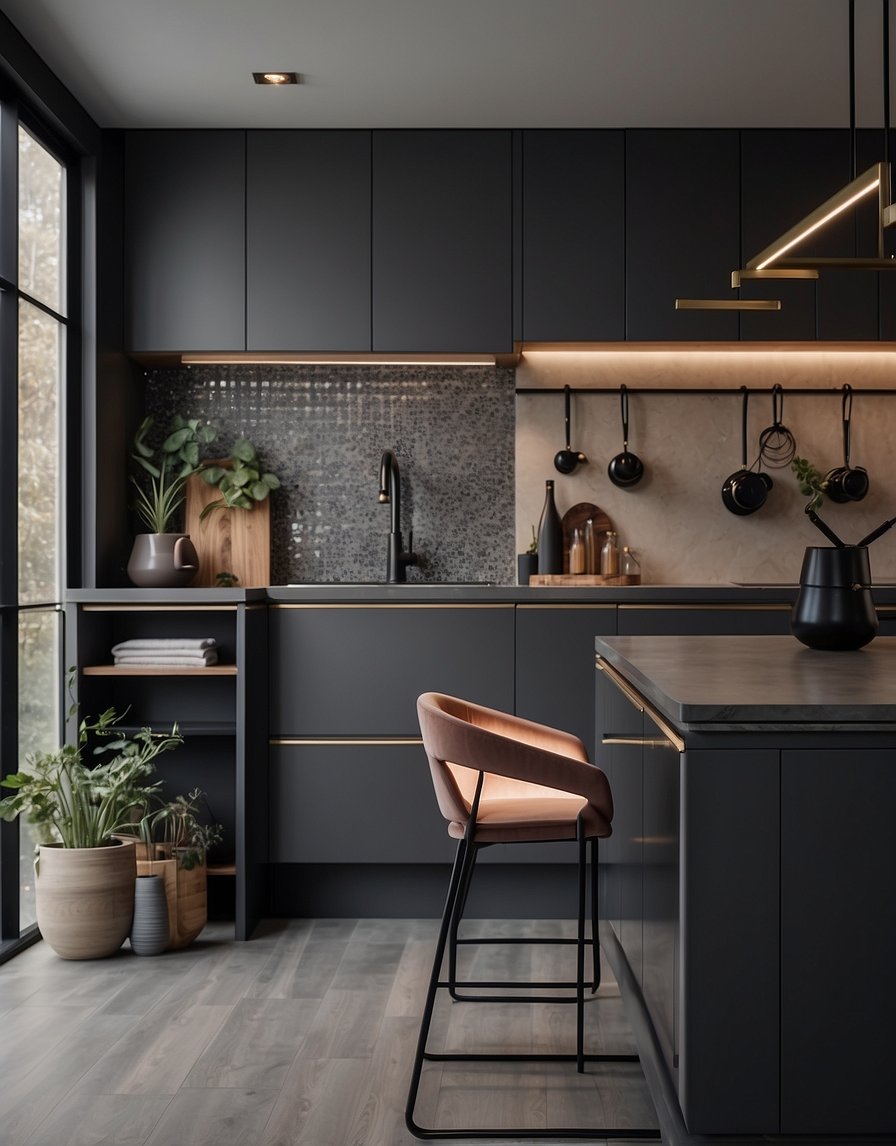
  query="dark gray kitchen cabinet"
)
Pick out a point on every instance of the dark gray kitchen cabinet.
point(220, 710)
point(681, 232)
point(573, 236)
point(185, 262)
point(308, 240)
point(355, 802)
point(826, 1086)
point(555, 664)
point(786, 175)
point(700, 620)
point(351, 670)
point(442, 241)
point(640, 867)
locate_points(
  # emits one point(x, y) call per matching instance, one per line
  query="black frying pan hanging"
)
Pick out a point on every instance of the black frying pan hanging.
point(626, 469)
point(745, 491)
point(846, 482)
point(566, 460)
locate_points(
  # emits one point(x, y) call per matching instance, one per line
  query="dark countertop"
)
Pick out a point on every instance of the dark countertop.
point(762, 682)
point(427, 592)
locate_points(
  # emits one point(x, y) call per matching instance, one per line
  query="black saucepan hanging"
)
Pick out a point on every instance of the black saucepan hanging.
point(566, 460)
point(626, 469)
point(745, 491)
point(846, 482)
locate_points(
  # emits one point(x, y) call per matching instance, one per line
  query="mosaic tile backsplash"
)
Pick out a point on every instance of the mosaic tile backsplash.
point(323, 429)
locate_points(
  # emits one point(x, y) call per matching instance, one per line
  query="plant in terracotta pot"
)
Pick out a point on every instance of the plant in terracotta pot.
point(173, 842)
point(85, 876)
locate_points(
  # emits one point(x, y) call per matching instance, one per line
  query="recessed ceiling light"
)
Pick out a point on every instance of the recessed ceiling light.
point(277, 78)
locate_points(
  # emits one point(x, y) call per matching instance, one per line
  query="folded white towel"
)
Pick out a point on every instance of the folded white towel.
point(165, 643)
point(188, 660)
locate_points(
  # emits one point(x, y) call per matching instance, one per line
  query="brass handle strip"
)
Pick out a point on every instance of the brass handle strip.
point(293, 741)
point(640, 703)
point(773, 606)
point(644, 741)
point(394, 605)
point(566, 605)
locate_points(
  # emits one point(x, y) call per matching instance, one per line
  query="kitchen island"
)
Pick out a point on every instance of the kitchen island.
point(748, 887)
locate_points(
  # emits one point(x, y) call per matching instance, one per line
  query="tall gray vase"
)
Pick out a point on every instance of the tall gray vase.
point(149, 931)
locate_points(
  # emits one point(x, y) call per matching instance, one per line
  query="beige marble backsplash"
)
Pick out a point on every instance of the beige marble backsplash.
point(690, 442)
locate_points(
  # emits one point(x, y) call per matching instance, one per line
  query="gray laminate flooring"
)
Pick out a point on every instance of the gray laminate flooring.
point(302, 1037)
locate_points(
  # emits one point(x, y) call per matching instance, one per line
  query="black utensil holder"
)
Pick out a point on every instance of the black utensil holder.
point(834, 608)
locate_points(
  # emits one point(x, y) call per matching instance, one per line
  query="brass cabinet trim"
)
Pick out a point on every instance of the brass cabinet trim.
point(643, 741)
point(366, 741)
point(566, 605)
point(394, 605)
point(728, 608)
point(638, 701)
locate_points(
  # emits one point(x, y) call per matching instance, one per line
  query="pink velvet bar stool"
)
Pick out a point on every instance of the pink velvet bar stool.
point(500, 779)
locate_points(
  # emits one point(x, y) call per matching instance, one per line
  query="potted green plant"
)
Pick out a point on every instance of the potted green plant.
point(173, 842)
point(85, 876)
point(166, 556)
point(527, 563)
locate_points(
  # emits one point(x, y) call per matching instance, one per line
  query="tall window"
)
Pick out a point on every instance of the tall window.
point(32, 587)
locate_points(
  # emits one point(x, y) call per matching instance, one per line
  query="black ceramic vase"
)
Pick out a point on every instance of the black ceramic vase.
point(834, 608)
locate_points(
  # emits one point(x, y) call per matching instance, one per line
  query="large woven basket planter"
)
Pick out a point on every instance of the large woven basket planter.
point(85, 898)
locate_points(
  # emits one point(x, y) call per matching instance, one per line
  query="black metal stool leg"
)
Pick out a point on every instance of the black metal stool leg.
point(595, 915)
point(458, 874)
point(580, 952)
point(456, 916)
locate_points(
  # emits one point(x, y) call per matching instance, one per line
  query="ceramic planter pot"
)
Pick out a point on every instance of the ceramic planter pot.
point(162, 561)
point(149, 931)
point(186, 892)
point(85, 898)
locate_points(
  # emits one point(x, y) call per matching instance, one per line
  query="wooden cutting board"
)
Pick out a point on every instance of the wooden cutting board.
point(575, 518)
point(228, 540)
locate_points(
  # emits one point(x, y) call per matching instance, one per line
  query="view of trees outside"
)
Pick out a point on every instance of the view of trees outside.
point(40, 356)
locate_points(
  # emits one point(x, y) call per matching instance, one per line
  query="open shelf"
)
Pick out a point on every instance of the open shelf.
point(158, 670)
point(186, 728)
point(222, 869)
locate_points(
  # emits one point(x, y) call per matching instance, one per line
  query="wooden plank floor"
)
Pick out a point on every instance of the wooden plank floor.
point(302, 1037)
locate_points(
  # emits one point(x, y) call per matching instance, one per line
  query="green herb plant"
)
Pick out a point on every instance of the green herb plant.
point(811, 481)
point(173, 829)
point(164, 471)
point(241, 484)
point(79, 806)
point(161, 472)
point(533, 544)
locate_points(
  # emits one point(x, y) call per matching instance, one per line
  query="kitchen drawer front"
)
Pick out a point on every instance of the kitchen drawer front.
point(345, 670)
point(700, 620)
point(354, 802)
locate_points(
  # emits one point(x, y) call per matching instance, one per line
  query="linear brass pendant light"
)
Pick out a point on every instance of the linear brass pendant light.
point(875, 180)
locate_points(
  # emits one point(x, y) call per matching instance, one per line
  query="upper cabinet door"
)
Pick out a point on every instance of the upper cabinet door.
point(573, 207)
point(185, 267)
point(442, 241)
point(308, 240)
point(682, 214)
point(786, 175)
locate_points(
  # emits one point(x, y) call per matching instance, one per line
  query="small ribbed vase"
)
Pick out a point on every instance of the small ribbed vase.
point(149, 931)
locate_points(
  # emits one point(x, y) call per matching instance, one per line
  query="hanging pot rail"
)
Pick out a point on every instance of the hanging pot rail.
point(887, 392)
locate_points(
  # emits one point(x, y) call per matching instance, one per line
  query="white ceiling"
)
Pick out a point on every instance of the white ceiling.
point(461, 63)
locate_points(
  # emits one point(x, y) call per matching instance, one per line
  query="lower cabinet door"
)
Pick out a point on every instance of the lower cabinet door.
point(344, 801)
